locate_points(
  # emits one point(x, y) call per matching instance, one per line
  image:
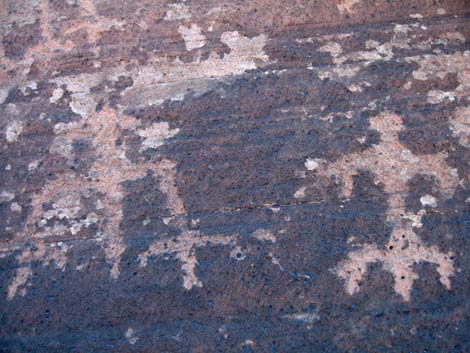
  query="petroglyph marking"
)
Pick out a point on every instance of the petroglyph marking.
point(16, 207)
point(300, 192)
point(57, 210)
point(89, 21)
point(184, 245)
point(57, 94)
point(184, 249)
point(393, 165)
point(338, 72)
point(6, 196)
point(109, 170)
point(42, 253)
point(333, 48)
point(312, 164)
point(375, 51)
point(244, 55)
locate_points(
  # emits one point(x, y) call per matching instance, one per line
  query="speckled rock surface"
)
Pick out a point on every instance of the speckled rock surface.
point(234, 176)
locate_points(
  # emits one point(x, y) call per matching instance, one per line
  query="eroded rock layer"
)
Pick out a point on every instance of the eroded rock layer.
point(233, 176)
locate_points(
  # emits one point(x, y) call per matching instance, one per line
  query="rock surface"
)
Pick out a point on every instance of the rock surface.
point(234, 176)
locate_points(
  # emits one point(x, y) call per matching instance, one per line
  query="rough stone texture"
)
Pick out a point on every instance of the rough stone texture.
point(234, 176)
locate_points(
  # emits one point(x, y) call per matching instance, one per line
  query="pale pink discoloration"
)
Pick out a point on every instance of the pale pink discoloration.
point(346, 5)
point(162, 79)
point(93, 23)
point(109, 170)
point(403, 250)
point(264, 235)
point(41, 252)
point(155, 135)
point(393, 165)
point(184, 247)
point(193, 37)
point(55, 44)
point(110, 167)
point(438, 66)
point(90, 22)
point(460, 125)
point(185, 244)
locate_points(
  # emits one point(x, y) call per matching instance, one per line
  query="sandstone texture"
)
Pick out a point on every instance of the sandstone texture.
point(234, 176)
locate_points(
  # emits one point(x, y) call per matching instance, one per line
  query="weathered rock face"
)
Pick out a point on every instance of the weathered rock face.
point(232, 176)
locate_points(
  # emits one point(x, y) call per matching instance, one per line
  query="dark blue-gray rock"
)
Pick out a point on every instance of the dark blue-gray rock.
point(234, 176)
